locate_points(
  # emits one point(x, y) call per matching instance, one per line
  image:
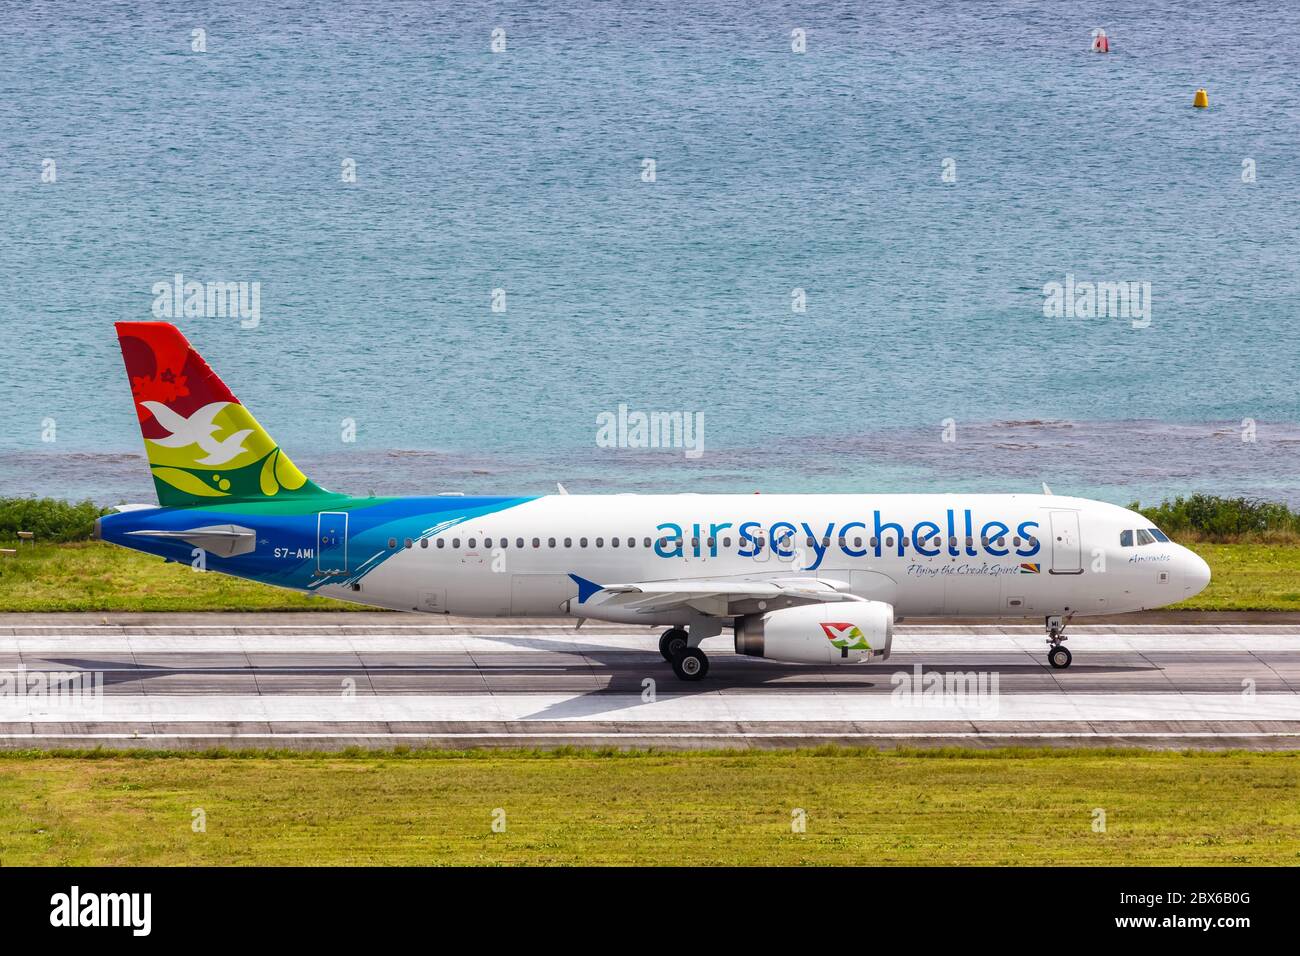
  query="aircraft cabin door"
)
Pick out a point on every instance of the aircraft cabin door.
point(1067, 557)
point(331, 542)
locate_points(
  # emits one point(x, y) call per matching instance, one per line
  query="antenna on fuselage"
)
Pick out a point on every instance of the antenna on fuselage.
point(561, 489)
point(1046, 490)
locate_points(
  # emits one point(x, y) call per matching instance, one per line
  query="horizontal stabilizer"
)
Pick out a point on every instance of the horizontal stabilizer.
point(226, 540)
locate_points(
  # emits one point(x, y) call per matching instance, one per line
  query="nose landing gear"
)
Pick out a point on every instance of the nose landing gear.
point(1059, 655)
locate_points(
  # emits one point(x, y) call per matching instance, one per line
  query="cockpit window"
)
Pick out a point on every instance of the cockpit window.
point(1144, 537)
point(1126, 539)
point(1159, 535)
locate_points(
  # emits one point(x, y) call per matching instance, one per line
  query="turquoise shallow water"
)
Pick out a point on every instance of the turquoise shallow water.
point(522, 171)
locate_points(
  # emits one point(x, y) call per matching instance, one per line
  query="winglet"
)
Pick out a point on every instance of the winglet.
point(585, 588)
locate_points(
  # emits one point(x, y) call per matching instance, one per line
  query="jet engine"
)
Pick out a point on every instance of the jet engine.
point(845, 632)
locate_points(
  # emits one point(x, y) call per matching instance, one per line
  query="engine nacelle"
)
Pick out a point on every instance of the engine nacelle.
point(845, 632)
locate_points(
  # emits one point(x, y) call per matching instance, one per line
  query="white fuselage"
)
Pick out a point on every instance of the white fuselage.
point(977, 556)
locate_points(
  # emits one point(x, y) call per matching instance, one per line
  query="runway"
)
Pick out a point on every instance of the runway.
point(334, 680)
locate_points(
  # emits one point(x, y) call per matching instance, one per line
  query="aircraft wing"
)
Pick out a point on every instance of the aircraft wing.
point(716, 596)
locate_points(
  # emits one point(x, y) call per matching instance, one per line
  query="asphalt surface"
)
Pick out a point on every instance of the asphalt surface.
point(332, 680)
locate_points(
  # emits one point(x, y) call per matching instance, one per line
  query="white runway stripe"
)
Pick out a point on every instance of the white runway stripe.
point(623, 708)
point(1081, 640)
point(650, 732)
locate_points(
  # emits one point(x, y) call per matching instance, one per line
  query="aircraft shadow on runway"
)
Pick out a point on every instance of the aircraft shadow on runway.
point(622, 674)
point(734, 673)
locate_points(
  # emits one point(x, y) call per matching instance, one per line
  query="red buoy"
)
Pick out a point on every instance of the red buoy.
point(1100, 43)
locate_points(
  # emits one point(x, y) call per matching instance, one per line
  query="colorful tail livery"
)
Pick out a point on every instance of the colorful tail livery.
point(203, 445)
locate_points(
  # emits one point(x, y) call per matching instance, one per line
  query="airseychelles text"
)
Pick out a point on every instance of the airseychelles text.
point(957, 535)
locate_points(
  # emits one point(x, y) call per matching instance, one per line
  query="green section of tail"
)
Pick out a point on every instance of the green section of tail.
point(272, 477)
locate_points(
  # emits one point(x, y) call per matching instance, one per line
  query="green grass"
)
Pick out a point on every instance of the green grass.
point(568, 807)
point(1249, 577)
point(94, 576)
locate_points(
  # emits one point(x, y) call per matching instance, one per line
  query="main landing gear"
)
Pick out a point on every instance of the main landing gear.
point(672, 642)
point(689, 663)
point(1059, 655)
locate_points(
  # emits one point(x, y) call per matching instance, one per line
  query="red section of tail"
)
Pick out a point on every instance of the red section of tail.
point(163, 367)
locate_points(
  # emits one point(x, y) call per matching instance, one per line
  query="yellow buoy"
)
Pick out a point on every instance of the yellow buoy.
point(1202, 99)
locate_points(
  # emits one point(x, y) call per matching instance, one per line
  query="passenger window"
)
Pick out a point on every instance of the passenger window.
point(695, 544)
point(904, 541)
point(1002, 541)
point(409, 543)
point(1144, 537)
point(392, 542)
point(424, 542)
point(600, 542)
point(568, 542)
point(857, 543)
point(473, 543)
point(550, 542)
point(875, 542)
point(952, 541)
point(647, 542)
point(1126, 539)
point(613, 542)
point(487, 542)
point(441, 542)
point(455, 543)
point(970, 542)
point(519, 542)
point(1015, 542)
point(889, 542)
point(1159, 535)
point(631, 542)
point(537, 542)
point(582, 542)
point(711, 544)
point(726, 542)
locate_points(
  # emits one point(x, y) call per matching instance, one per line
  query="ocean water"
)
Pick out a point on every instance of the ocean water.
point(523, 170)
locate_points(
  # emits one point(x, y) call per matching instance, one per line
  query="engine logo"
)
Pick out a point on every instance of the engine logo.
point(847, 637)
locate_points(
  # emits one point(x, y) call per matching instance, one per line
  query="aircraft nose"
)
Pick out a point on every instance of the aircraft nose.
point(1196, 574)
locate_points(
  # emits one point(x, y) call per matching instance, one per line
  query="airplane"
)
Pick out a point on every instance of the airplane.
point(817, 579)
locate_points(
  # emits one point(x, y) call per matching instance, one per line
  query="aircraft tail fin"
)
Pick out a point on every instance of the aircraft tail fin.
point(203, 446)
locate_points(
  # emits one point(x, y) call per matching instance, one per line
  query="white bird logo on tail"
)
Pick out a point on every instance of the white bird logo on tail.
point(198, 430)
